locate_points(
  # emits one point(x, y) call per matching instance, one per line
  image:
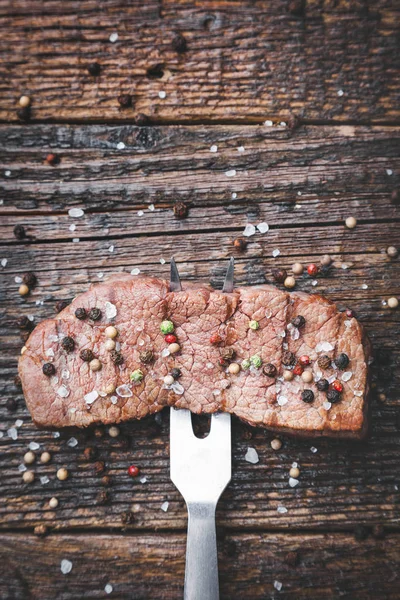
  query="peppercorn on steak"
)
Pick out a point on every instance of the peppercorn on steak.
point(128, 347)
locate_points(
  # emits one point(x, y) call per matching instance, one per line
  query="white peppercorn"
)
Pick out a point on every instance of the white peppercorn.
point(29, 457)
point(276, 444)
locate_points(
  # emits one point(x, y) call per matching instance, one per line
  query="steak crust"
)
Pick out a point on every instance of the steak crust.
point(76, 395)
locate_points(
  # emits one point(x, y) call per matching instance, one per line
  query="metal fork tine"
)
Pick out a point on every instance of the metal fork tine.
point(220, 428)
point(174, 281)
point(180, 425)
point(228, 283)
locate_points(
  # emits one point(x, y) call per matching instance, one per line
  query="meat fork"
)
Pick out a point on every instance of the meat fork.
point(201, 470)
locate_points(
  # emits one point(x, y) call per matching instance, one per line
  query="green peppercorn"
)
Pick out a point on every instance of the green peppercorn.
point(81, 314)
point(94, 314)
point(136, 376)
point(86, 355)
point(246, 364)
point(146, 356)
point(167, 327)
point(68, 344)
point(254, 325)
point(256, 361)
point(48, 369)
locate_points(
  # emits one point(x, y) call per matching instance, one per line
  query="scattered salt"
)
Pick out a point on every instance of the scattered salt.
point(282, 400)
point(111, 310)
point(358, 393)
point(120, 146)
point(216, 392)
point(7, 173)
point(293, 331)
point(314, 449)
point(140, 213)
point(177, 388)
point(19, 423)
point(72, 227)
point(332, 378)
point(111, 248)
point(162, 261)
point(165, 353)
point(251, 456)
point(214, 148)
point(143, 479)
point(91, 397)
point(124, 391)
point(278, 585)
point(76, 212)
point(65, 374)
point(268, 123)
point(324, 347)
point(21, 468)
point(276, 252)
point(44, 479)
point(49, 352)
point(364, 286)
point(76, 240)
point(4, 262)
point(66, 566)
point(347, 375)
point(234, 195)
point(72, 442)
point(18, 279)
point(108, 588)
point(63, 391)
point(293, 482)
point(56, 434)
point(164, 506)
point(135, 271)
point(347, 323)
point(12, 433)
point(268, 313)
point(294, 465)
point(263, 227)
point(151, 207)
point(230, 173)
point(162, 95)
point(113, 37)
point(389, 172)
point(327, 405)
point(281, 510)
point(340, 92)
point(249, 230)
point(241, 149)
point(114, 399)
point(314, 283)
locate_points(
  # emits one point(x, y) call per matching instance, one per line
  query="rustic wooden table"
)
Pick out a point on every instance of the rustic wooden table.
point(324, 74)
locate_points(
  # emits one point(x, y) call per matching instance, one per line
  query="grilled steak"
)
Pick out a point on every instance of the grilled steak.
point(74, 374)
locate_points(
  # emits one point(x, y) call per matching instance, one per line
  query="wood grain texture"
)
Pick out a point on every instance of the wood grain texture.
point(246, 61)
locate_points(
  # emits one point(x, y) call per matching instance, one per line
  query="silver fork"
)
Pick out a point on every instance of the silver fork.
point(201, 470)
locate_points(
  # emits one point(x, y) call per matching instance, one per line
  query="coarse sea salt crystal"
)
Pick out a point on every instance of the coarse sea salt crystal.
point(151, 207)
point(314, 449)
point(120, 146)
point(76, 212)
point(135, 271)
point(108, 588)
point(18, 423)
point(295, 465)
point(22, 468)
point(282, 400)
point(263, 227)
point(111, 248)
point(44, 479)
point(102, 394)
point(4, 262)
point(294, 332)
point(114, 399)
point(230, 173)
point(72, 227)
point(251, 456)
point(268, 123)
point(72, 442)
point(164, 506)
point(340, 93)
point(7, 173)
point(358, 393)
point(162, 95)
point(118, 346)
point(317, 376)
point(278, 585)
point(276, 252)
point(364, 286)
point(143, 479)
point(66, 566)
point(214, 148)
point(162, 261)
point(327, 405)
point(65, 374)
point(249, 230)
point(293, 482)
point(113, 37)
point(347, 323)
point(216, 392)
point(177, 388)
point(76, 240)
point(140, 213)
point(234, 195)
point(332, 378)
point(240, 148)
point(323, 347)
point(281, 510)
point(124, 391)
point(347, 375)
point(268, 313)
point(63, 391)
point(111, 310)
point(165, 353)
point(314, 283)
point(389, 172)
point(18, 279)
point(12, 433)
point(91, 397)
point(56, 434)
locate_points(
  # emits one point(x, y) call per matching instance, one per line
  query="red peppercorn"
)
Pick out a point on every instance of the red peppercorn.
point(336, 385)
point(304, 360)
point(170, 338)
point(298, 370)
point(133, 471)
point(349, 313)
point(52, 159)
point(215, 339)
point(312, 270)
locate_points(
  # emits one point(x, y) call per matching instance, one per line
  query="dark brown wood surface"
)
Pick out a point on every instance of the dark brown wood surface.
point(245, 63)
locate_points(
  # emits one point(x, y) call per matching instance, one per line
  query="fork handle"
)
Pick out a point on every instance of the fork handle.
point(201, 574)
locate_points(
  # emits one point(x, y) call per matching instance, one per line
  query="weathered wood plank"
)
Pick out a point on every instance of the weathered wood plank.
point(152, 566)
point(243, 62)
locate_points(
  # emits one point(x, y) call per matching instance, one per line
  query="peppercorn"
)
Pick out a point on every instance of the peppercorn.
point(11, 404)
point(297, 268)
point(28, 477)
point(98, 467)
point(24, 323)
point(246, 364)
point(141, 120)
point(324, 362)
point(24, 113)
point(240, 244)
point(176, 373)
point(307, 376)
point(288, 358)
point(350, 222)
point(228, 354)
point(86, 355)
point(279, 275)
point(62, 474)
point(215, 339)
point(289, 282)
point(53, 502)
point(45, 457)
point(180, 210)
point(81, 314)
point(298, 370)
point(48, 369)
point(94, 314)
point(174, 348)
point(322, 385)
point(136, 376)
point(125, 100)
point(102, 497)
point(116, 357)
point(312, 270)
point(298, 321)
point(109, 345)
point(276, 444)
point(30, 279)
point(393, 302)
point(68, 344)
point(24, 101)
point(307, 396)
point(146, 356)
point(94, 69)
point(391, 251)
point(133, 471)
point(254, 325)
point(53, 159)
point(332, 396)
point(170, 338)
point(166, 327)
point(326, 260)
point(29, 457)
point(269, 370)
point(90, 452)
point(168, 380)
point(256, 361)
point(336, 385)
point(304, 360)
point(342, 361)
point(234, 368)
point(111, 332)
point(61, 304)
point(19, 232)
point(23, 290)
point(179, 43)
point(288, 375)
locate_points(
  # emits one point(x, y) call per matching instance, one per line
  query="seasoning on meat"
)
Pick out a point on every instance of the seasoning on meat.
point(145, 357)
point(68, 343)
point(324, 362)
point(254, 325)
point(256, 361)
point(116, 357)
point(136, 376)
point(94, 314)
point(86, 355)
point(269, 370)
point(81, 314)
point(48, 369)
point(167, 327)
point(333, 396)
point(323, 385)
point(342, 361)
point(307, 396)
point(298, 321)
point(288, 358)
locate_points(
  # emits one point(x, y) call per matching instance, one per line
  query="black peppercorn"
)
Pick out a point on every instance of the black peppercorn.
point(333, 396)
point(342, 361)
point(81, 314)
point(24, 323)
point(94, 314)
point(141, 120)
point(288, 358)
point(298, 321)
point(24, 114)
point(179, 43)
point(279, 275)
point(68, 344)
point(19, 232)
point(61, 304)
point(30, 279)
point(146, 356)
point(94, 69)
point(324, 362)
point(11, 404)
point(307, 396)
point(53, 159)
point(228, 354)
point(269, 370)
point(86, 355)
point(125, 100)
point(48, 369)
point(176, 373)
point(116, 357)
point(322, 385)
point(240, 244)
point(180, 210)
